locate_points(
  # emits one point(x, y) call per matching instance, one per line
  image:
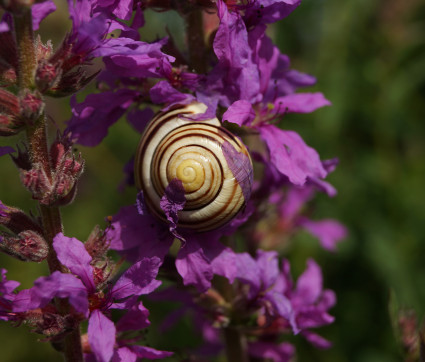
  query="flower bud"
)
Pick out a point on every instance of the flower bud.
point(26, 246)
point(16, 220)
point(10, 124)
point(70, 83)
point(102, 271)
point(32, 106)
point(8, 76)
point(50, 323)
point(66, 170)
point(9, 103)
point(43, 51)
point(7, 126)
point(37, 182)
point(46, 76)
point(97, 243)
point(8, 59)
point(22, 160)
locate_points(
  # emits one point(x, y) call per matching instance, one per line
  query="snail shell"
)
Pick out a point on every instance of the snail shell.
point(202, 154)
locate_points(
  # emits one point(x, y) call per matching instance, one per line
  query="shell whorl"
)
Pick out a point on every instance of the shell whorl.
point(197, 153)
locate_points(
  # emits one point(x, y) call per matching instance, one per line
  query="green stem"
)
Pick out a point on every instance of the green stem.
point(196, 41)
point(39, 153)
point(52, 225)
point(26, 49)
point(236, 345)
point(235, 340)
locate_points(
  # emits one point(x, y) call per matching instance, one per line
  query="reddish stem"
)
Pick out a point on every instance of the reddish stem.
point(39, 153)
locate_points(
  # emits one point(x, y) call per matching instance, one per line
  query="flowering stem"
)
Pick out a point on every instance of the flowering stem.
point(26, 48)
point(196, 41)
point(235, 341)
point(236, 348)
point(39, 153)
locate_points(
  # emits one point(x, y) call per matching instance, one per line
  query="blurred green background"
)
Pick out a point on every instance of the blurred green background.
point(369, 60)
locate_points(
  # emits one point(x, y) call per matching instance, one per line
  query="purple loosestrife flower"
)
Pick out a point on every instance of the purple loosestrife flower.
point(265, 289)
point(268, 11)
point(253, 80)
point(256, 12)
point(288, 152)
point(328, 231)
point(135, 319)
point(7, 296)
point(5, 150)
point(39, 12)
point(289, 209)
point(122, 9)
point(87, 297)
point(284, 306)
point(136, 234)
point(92, 118)
point(283, 352)
point(310, 303)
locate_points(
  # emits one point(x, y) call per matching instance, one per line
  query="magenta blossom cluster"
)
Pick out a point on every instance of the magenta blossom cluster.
point(234, 280)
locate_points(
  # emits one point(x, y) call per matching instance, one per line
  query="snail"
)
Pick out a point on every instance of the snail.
point(213, 165)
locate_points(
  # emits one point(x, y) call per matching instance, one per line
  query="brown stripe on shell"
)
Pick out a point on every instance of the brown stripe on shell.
point(230, 202)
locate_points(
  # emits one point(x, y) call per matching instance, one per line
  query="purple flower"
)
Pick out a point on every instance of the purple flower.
point(268, 11)
point(235, 76)
point(122, 9)
point(283, 352)
point(7, 296)
point(265, 287)
point(163, 92)
point(5, 150)
point(300, 308)
point(328, 231)
point(138, 234)
point(83, 294)
point(252, 78)
point(39, 12)
point(255, 12)
point(125, 349)
point(309, 300)
point(92, 118)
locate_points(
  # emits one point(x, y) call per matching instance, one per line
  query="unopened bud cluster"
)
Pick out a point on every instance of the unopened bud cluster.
point(66, 168)
point(56, 74)
point(23, 239)
point(97, 245)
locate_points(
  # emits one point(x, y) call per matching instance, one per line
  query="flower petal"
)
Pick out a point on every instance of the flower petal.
point(300, 103)
point(291, 156)
point(138, 236)
point(136, 318)
point(328, 231)
point(72, 253)
point(40, 11)
point(171, 203)
point(138, 279)
point(55, 285)
point(240, 112)
point(149, 353)
point(194, 266)
point(101, 332)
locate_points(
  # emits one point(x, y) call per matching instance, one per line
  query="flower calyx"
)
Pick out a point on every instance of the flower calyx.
point(48, 322)
point(17, 221)
point(58, 188)
point(19, 111)
point(26, 246)
point(10, 122)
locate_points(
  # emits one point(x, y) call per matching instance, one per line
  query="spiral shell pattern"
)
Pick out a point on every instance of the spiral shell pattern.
point(202, 155)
